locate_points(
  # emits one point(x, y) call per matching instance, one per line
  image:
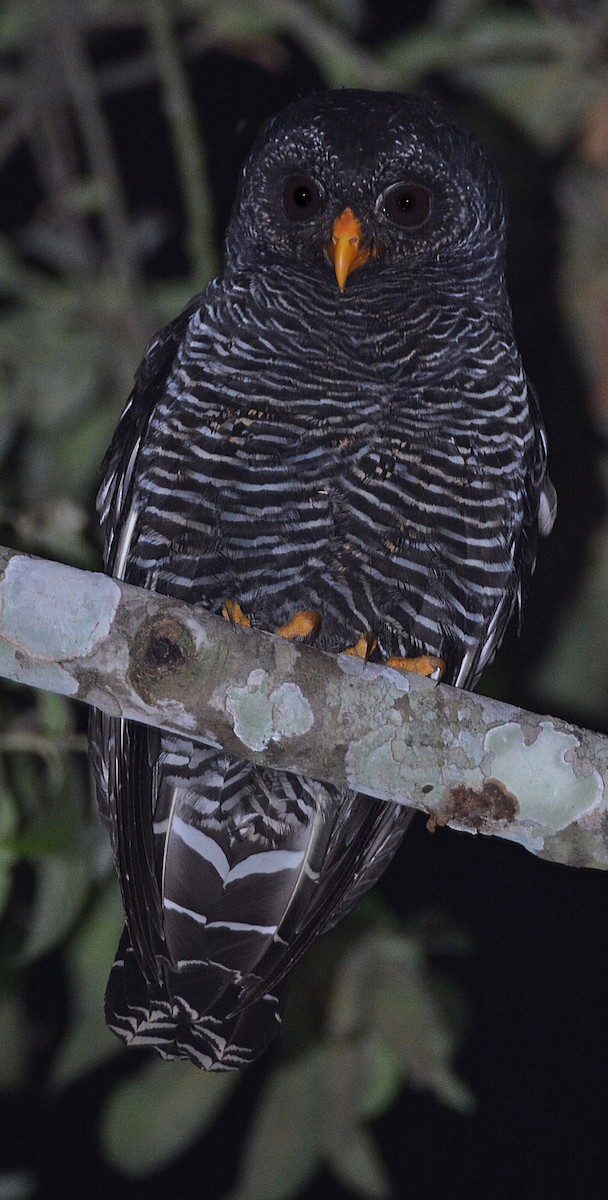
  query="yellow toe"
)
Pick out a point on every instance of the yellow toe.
point(232, 611)
point(423, 664)
point(303, 624)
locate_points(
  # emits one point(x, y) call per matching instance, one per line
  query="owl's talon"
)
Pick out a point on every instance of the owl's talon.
point(428, 665)
point(305, 623)
point(364, 647)
point(232, 611)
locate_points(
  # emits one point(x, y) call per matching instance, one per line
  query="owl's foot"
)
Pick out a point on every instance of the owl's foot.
point(364, 647)
point(232, 611)
point(303, 624)
point(423, 664)
point(306, 624)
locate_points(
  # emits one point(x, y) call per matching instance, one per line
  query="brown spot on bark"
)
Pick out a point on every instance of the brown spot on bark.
point(163, 651)
point(163, 647)
point(476, 808)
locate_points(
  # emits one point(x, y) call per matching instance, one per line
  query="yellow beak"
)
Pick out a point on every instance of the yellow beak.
point(345, 250)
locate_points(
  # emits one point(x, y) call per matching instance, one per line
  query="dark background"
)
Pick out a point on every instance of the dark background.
point(535, 1049)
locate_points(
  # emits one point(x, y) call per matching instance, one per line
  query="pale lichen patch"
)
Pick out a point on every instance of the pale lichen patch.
point(379, 764)
point(49, 676)
point(262, 714)
point(174, 711)
point(68, 612)
point(549, 790)
point(291, 713)
point(353, 709)
point(468, 749)
point(469, 714)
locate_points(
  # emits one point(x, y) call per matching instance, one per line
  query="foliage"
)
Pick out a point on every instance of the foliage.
point(81, 290)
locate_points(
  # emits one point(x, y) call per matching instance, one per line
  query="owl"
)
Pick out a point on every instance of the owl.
point(335, 442)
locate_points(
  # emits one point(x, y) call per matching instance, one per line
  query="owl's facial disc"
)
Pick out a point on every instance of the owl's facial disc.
point(347, 250)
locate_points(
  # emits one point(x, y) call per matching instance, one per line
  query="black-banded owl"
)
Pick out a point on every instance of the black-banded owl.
point(335, 441)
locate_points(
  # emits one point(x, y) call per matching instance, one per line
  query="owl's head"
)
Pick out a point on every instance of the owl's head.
point(368, 181)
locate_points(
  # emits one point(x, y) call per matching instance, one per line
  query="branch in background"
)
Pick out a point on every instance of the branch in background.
point(81, 82)
point(53, 144)
point(187, 140)
point(466, 760)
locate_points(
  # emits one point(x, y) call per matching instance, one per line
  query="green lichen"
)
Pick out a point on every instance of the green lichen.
point(549, 790)
point(262, 714)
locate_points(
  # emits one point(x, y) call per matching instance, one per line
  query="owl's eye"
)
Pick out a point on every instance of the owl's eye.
point(407, 204)
point(302, 198)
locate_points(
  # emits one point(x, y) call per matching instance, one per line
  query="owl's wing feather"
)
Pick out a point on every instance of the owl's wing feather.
point(119, 467)
point(538, 517)
point(214, 920)
point(364, 839)
point(118, 515)
point(215, 932)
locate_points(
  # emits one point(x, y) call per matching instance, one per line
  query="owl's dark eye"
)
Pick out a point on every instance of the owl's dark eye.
point(407, 204)
point(302, 198)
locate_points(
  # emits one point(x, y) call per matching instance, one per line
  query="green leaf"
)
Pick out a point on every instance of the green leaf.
point(487, 37)
point(89, 958)
point(56, 713)
point(61, 889)
point(283, 1149)
point(419, 53)
point(76, 457)
point(547, 100)
point(153, 1117)
point(405, 1012)
point(385, 995)
point(16, 22)
point(453, 14)
point(383, 1078)
point(355, 1160)
point(51, 838)
point(348, 14)
point(347, 1148)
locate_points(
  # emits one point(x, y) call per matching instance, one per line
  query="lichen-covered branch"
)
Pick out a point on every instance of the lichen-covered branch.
point(466, 760)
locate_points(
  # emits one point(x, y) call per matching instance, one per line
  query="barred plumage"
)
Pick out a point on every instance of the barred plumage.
point(374, 454)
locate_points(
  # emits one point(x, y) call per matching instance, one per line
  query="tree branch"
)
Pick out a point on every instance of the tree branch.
point(466, 760)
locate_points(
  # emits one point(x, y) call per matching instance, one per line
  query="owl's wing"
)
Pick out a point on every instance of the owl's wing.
point(108, 737)
point(365, 838)
point(539, 511)
point(124, 756)
point(214, 923)
point(119, 465)
point(540, 496)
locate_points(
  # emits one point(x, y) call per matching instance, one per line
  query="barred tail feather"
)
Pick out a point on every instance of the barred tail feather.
point(172, 1020)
